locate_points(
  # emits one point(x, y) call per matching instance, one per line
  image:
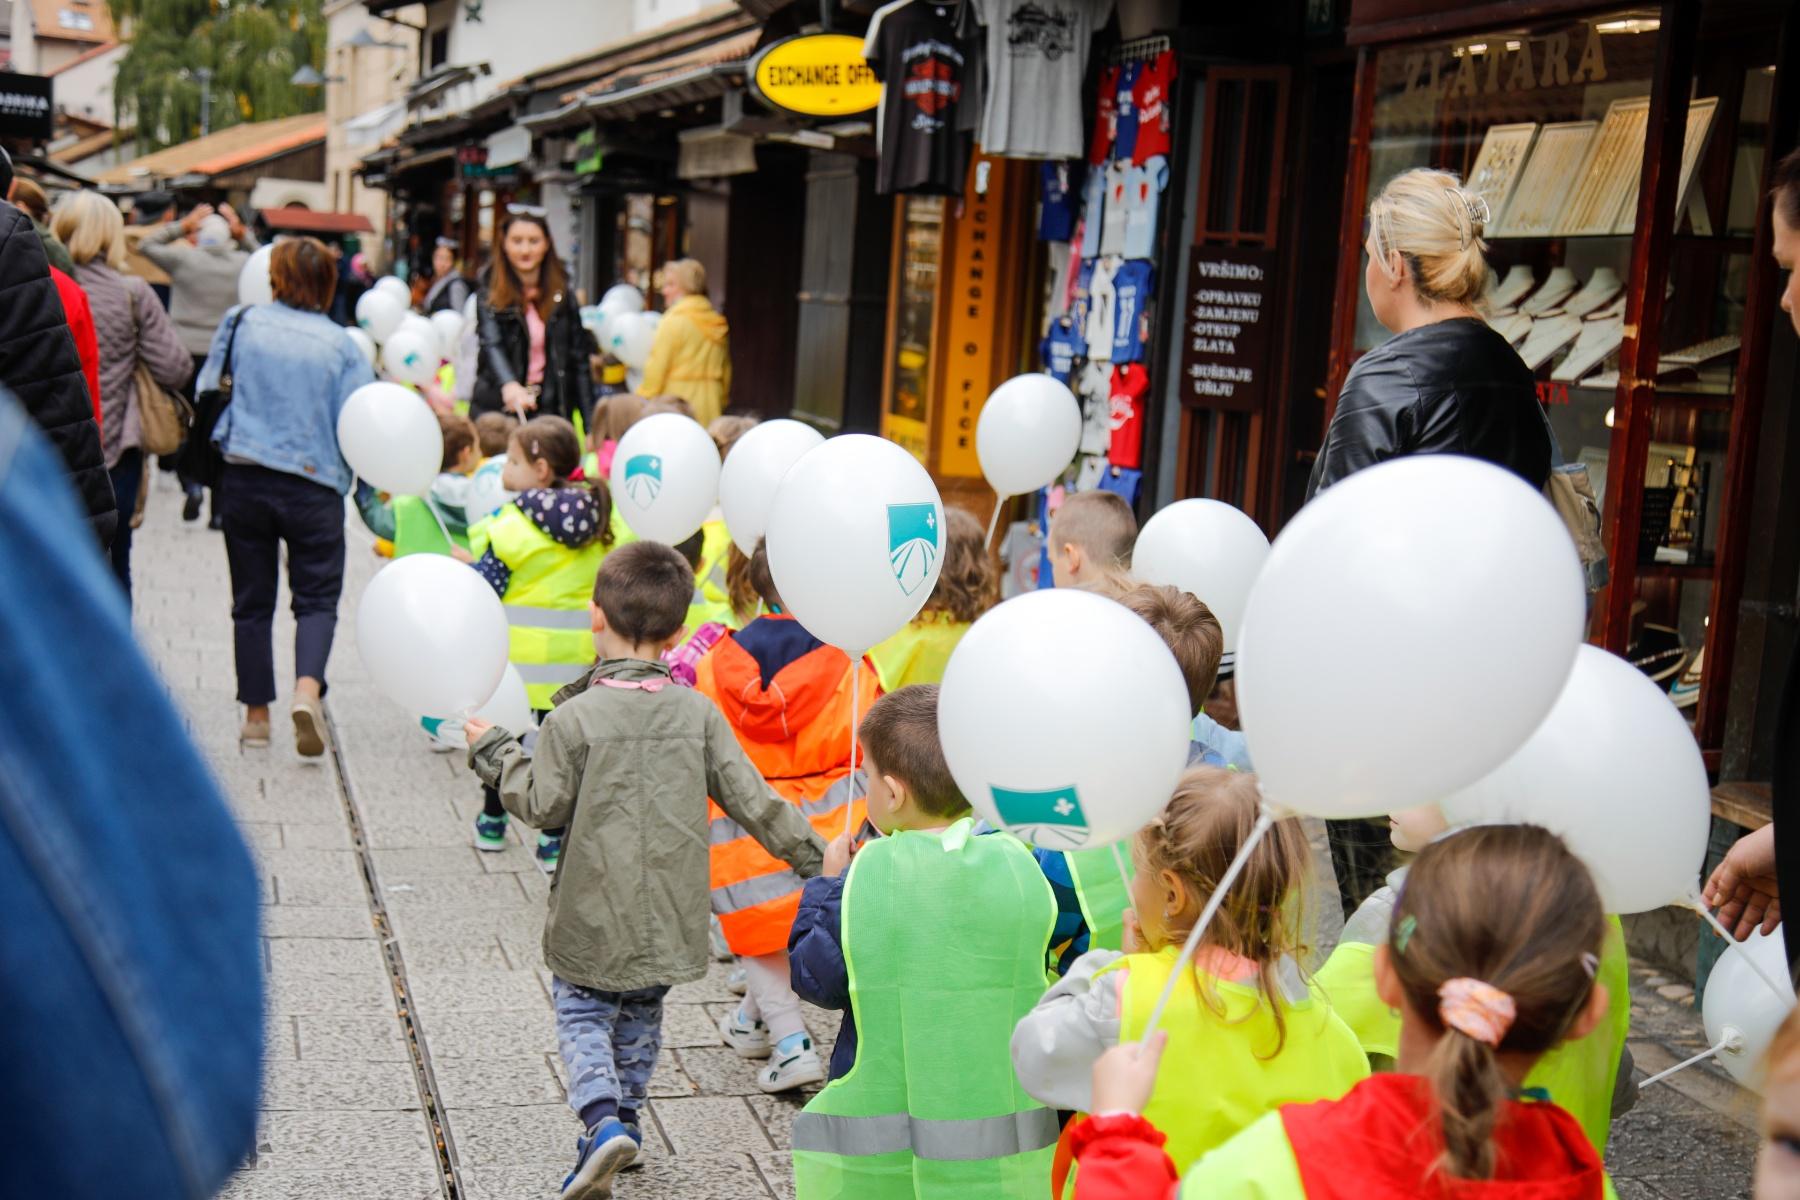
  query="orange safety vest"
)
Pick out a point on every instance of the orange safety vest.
point(796, 731)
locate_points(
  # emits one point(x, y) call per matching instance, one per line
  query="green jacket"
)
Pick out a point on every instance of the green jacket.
point(628, 771)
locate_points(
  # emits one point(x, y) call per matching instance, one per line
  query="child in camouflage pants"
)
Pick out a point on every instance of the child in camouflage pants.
point(609, 1042)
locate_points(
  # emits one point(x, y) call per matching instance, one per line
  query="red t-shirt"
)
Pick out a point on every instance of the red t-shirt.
point(1106, 116)
point(1155, 121)
point(1129, 383)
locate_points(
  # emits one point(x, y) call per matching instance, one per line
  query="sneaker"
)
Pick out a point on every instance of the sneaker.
point(715, 938)
point(637, 1135)
point(549, 851)
point(254, 734)
point(190, 507)
point(738, 981)
point(794, 1067)
point(601, 1153)
point(309, 728)
point(1686, 692)
point(749, 1038)
point(216, 523)
point(490, 832)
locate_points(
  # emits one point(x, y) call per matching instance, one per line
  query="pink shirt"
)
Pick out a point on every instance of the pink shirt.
point(534, 357)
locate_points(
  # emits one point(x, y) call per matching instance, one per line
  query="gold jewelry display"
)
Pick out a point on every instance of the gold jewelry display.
point(1614, 160)
point(1693, 145)
point(1545, 182)
point(1496, 171)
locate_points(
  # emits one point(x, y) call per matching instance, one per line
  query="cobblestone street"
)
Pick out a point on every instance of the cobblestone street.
point(411, 1050)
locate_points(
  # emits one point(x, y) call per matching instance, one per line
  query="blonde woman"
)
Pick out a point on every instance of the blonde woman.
point(691, 354)
point(130, 326)
point(1445, 383)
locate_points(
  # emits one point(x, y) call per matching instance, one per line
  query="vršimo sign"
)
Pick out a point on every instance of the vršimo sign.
point(816, 75)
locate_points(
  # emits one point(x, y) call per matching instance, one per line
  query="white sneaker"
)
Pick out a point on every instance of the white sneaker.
point(790, 1071)
point(738, 981)
point(749, 1038)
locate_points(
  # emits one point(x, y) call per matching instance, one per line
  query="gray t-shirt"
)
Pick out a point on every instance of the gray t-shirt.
point(1037, 54)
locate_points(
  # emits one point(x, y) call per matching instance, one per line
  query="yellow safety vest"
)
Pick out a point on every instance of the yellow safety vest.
point(712, 600)
point(919, 652)
point(1233, 1051)
point(1103, 895)
point(550, 631)
point(931, 1110)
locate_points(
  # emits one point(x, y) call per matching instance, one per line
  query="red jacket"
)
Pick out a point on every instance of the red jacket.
point(81, 324)
point(1365, 1146)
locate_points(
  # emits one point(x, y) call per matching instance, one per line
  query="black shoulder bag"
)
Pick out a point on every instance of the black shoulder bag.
point(200, 460)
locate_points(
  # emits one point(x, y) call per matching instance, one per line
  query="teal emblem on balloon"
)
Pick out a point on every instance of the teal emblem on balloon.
point(1051, 818)
point(643, 478)
point(912, 543)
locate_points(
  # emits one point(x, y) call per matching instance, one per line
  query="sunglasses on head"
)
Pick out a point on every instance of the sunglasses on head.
point(527, 210)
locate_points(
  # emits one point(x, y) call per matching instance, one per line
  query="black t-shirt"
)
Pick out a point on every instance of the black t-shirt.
point(914, 50)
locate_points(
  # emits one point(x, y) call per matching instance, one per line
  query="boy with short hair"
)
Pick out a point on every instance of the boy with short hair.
point(932, 940)
point(626, 760)
point(487, 493)
point(1197, 640)
point(493, 430)
point(1090, 543)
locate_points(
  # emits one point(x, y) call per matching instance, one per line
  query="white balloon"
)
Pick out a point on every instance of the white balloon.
point(1737, 1001)
point(1027, 433)
point(378, 314)
point(665, 477)
point(1615, 771)
point(412, 357)
point(629, 337)
point(254, 286)
point(1060, 775)
point(432, 634)
point(363, 342)
point(447, 324)
point(855, 540)
point(390, 437)
point(1408, 631)
point(396, 287)
point(753, 471)
point(622, 297)
point(1208, 548)
point(509, 707)
point(468, 309)
point(417, 324)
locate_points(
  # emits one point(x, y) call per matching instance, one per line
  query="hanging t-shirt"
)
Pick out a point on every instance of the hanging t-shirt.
point(1155, 119)
point(913, 49)
point(1143, 200)
point(1131, 292)
point(1062, 276)
point(1037, 57)
point(1112, 226)
point(1129, 383)
point(1061, 348)
point(1105, 117)
point(1094, 386)
point(1102, 309)
point(1056, 223)
point(1093, 205)
point(1122, 482)
point(1125, 106)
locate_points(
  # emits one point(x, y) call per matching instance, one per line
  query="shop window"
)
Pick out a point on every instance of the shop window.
point(921, 241)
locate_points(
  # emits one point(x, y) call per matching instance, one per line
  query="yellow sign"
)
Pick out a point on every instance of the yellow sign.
point(816, 75)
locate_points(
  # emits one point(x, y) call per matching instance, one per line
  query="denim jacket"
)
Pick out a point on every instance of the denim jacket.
point(292, 371)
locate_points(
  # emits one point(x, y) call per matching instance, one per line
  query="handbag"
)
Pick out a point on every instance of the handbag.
point(1571, 493)
point(201, 461)
point(163, 416)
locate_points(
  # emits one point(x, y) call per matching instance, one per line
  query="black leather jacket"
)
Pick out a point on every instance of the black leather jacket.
point(1453, 387)
point(568, 384)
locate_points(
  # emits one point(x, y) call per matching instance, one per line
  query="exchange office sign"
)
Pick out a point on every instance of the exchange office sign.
point(816, 75)
point(26, 109)
point(1225, 335)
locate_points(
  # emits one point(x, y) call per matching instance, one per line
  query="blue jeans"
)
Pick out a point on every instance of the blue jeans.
point(131, 995)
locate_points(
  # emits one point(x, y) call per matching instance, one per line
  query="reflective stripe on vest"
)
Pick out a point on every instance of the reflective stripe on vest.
point(548, 618)
point(931, 1108)
point(941, 1141)
point(549, 629)
point(549, 674)
point(734, 897)
point(723, 830)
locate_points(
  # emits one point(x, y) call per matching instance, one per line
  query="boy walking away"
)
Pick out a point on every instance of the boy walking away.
point(934, 940)
point(626, 761)
point(1091, 537)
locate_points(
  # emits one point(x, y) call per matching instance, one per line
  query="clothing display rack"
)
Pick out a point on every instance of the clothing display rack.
point(1139, 49)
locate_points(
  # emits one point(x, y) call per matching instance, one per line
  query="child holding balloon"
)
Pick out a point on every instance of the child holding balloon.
point(1491, 962)
point(626, 762)
point(541, 553)
point(1241, 1017)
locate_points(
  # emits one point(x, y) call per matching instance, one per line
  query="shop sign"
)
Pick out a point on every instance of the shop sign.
point(1504, 64)
point(815, 75)
point(712, 153)
point(26, 107)
point(588, 155)
point(972, 292)
point(509, 147)
point(1225, 335)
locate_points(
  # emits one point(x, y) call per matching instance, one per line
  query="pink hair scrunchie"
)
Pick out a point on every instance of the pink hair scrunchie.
point(1476, 1009)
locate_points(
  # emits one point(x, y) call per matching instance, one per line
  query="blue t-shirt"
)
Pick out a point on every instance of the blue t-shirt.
point(1131, 291)
point(1126, 106)
point(1057, 222)
point(1061, 348)
point(1078, 311)
point(1122, 482)
point(1093, 208)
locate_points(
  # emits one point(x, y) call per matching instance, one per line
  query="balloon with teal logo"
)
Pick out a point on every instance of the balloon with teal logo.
point(665, 477)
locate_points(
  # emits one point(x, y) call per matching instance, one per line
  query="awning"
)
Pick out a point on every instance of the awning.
point(305, 220)
point(441, 80)
point(375, 126)
point(705, 73)
point(216, 153)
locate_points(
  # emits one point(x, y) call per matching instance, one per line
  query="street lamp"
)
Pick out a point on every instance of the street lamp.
point(307, 77)
point(362, 39)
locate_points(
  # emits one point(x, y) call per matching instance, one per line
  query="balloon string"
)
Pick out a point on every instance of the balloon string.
point(994, 521)
point(855, 688)
point(1264, 822)
point(449, 542)
point(1733, 945)
point(1685, 1063)
point(1124, 875)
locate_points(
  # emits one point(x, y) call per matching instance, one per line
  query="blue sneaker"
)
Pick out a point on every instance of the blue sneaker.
point(637, 1135)
point(601, 1153)
point(549, 851)
point(490, 832)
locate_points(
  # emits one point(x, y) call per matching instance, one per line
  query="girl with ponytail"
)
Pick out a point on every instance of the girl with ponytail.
point(1490, 960)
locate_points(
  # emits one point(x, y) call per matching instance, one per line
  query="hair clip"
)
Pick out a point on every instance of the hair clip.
point(1403, 932)
point(1590, 962)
